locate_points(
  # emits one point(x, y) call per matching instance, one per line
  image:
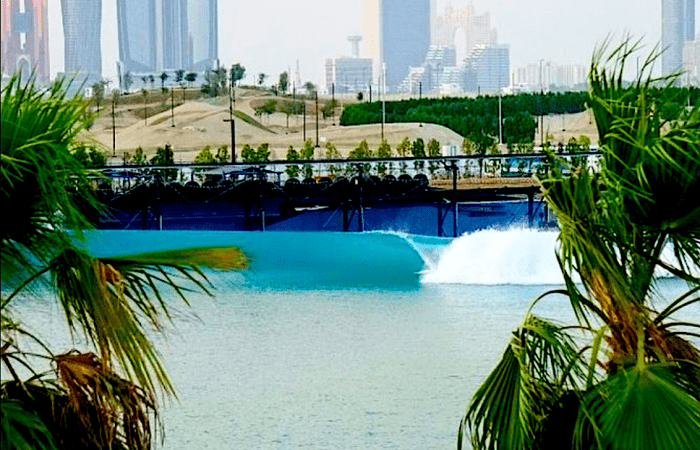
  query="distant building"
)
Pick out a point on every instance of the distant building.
point(430, 75)
point(167, 35)
point(677, 28)
point(82, 20)
point(24, 40)
point(476, 28)
point(396, 33)
point(548, 75)
point(691, 62)
point(487, 68)
point(348, 74)
point(136, 24)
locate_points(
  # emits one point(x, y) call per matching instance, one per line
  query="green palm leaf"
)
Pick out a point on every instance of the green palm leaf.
point(538, 366)
point(22, 429)
point(645, 407)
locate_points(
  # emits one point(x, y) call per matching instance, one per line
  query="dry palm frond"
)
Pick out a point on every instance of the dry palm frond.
point(112, 411)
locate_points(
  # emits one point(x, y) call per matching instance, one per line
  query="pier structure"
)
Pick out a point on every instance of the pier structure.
point(333, 194)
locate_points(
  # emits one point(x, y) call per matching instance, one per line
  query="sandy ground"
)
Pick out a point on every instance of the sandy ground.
point(198, 123)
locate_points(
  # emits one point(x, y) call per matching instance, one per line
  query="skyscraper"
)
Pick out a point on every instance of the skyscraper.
point(136, 24)
point(157, 35)
point(487, 68)
point(396, 33)
point(24, 41)
point(677, 28)
point(82, 20)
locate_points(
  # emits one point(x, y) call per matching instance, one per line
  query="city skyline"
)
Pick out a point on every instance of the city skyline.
point(270, 37)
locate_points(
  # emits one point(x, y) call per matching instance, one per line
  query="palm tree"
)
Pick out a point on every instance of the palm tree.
point(625, 376)
point(105, 396)
point(163, 76)
point(191, 77)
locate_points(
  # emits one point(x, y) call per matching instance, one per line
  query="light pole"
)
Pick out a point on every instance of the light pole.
point(383, 97)
point(317, 120)
point(172, 106)
point(114, 127)
point(500, 117)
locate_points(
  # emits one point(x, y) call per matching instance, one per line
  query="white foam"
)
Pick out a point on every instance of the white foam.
point(492, 257)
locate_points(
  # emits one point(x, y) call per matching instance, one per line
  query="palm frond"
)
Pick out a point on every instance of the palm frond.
point(537, 367)
point(643, 407)
point(40, 181)
point(22, 429)
point(108, 303)
point(222, 258)
point(112, 410)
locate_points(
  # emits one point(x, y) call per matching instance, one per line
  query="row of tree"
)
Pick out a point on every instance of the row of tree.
point(475, 118)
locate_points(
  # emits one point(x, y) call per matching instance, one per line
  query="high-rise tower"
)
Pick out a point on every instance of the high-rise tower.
point(24, 42)
point(677, 28)
point(136, 22)
point(396, 33)
point(157, 35)
point(82, 23)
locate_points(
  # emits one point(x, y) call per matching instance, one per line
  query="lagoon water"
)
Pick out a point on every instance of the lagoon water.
point(340, 340)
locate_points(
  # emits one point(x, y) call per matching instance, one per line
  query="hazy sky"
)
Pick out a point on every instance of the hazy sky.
point(269, 36)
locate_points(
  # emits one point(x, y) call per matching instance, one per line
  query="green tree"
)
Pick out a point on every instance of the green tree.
point(332, 153)
point(259, 154)
point(127, 81)
point(328, 108)
point(191, 77)
point(291, 107)
point(469, 147)
point(292, 155)
point(418, 151)
point(222, 154)
point(268, 108)
point(362, 151)
point(89, 157)
point(307, 153)
point(215, 82)
point(204, 156)
point(105, 395)
point(627, 377)
point(283, 83)
point(179, 76)
point(139, 158)
point(248, 153)
point(163, 76)
point(98, 92)
point(384, 149)
point(585, 142)
point(404, 147)
point(262, 153)
point(236, 73)
point(434, 148)
point(310, 89)
point(164, 156)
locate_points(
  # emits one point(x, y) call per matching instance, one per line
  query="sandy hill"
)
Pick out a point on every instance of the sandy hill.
point(196, 123)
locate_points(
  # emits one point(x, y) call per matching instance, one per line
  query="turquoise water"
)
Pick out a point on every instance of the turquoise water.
point(339, 340)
